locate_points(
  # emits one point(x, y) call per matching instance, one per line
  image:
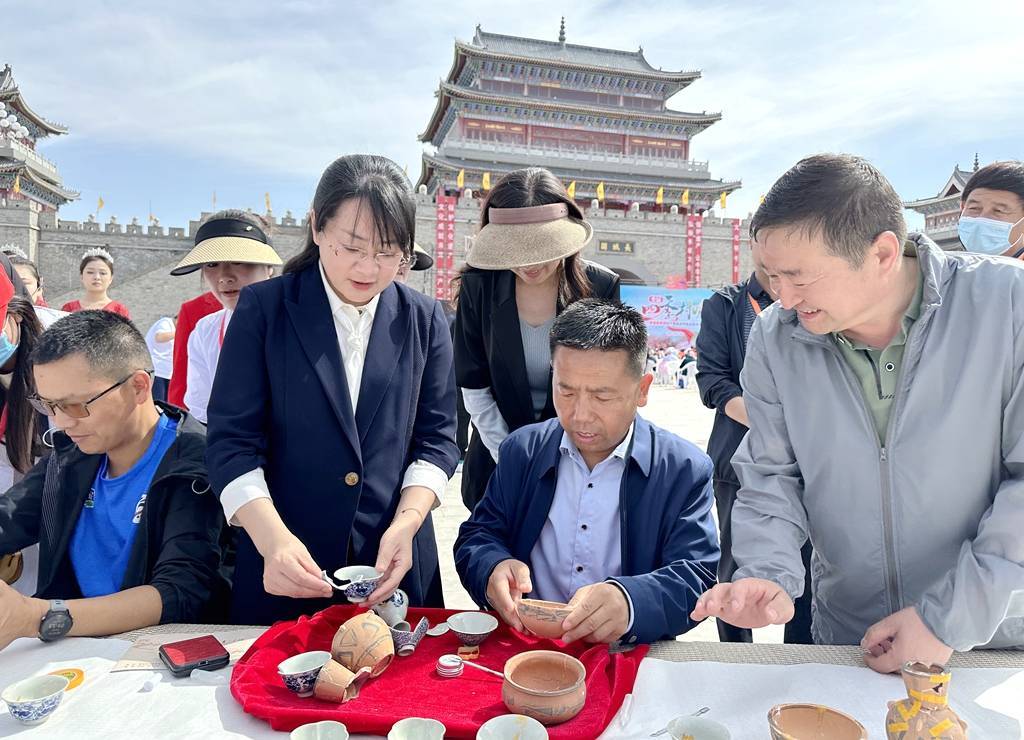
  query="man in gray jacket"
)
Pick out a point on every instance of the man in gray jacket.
point(885, 391)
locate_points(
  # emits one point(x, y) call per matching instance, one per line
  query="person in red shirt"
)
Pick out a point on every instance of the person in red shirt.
point(97, 271)
point(188, 316)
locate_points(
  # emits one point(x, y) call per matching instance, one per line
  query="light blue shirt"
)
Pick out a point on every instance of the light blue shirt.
point(581, 542)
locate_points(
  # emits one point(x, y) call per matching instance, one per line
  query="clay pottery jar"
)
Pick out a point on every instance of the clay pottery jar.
point(543, 618)
point(813, 722)
point(337, 683)
point(364, 641)
point(925, 713)
point(548, 686)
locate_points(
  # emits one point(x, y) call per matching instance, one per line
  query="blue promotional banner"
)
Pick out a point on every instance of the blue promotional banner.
point(672, 316)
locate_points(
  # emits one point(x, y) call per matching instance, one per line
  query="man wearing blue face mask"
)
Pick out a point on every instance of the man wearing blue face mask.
point(992, 210)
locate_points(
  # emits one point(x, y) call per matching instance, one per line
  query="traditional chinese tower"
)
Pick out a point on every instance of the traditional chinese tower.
point(593, 116)
point(30, 185)
point(942, 212)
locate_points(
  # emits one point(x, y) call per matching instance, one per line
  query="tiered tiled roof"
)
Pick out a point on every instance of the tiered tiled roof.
point(449, 92)
point(583, 178)
point(11, 95)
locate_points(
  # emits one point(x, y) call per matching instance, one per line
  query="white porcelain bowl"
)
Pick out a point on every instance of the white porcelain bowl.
point(698, 728)
point(512, 727)
point(472, 628)
point(325, 730)
point(33, 700)
point(416, 728)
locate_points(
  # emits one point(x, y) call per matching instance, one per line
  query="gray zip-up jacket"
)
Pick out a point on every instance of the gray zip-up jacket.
point(934, 517)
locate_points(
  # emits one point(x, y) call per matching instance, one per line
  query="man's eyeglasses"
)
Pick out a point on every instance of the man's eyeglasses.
point(74, 410)
point(387, 260)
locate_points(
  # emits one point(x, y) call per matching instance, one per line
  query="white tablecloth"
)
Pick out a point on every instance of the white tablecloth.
point(110, 705)
point(990, 700)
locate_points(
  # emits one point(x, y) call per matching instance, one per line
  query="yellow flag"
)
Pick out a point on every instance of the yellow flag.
point(485, 182)
point(17, 183)
point(685, 197)
point(721, 199)
point(266, 199)
point(572, 189)
point(99, 204)
point(600, 191)
point(460, 180)
point(762, 199)
point(659, 198)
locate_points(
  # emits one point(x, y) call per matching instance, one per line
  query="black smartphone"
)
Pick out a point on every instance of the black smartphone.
point(204, 652)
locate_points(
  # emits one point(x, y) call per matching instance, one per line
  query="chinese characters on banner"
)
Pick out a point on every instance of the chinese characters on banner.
point(698, 241)
point(672, 316)
point(444, 246)
point(735, 250)
point(690, 245)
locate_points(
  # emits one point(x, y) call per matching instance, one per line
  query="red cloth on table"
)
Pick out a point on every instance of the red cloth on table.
point(411, 688)
point(114, 307)
point(188, 316)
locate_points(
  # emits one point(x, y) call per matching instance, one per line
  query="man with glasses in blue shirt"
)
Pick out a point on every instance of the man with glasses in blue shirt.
point(129, 531)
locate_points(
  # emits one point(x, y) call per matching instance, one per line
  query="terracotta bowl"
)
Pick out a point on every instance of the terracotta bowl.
point(543, 618)
point(337, 683)
point(472, 628)
point(364, 641)
point(813, 722)
point(548, 686)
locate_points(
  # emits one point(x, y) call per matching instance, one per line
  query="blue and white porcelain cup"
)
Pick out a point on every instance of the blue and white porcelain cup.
point(299, 672)
point(33, 700)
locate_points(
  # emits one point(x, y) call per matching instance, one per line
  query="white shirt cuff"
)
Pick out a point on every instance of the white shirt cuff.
point(243, 489)
point(427, 475)
point(629, 601)
point(487, 419)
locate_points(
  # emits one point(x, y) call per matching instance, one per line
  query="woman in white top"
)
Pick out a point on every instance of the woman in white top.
point(160, 341)
point(233, 249)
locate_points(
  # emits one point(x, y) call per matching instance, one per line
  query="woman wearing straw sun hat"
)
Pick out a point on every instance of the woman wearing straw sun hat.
point(233, 250)
point(525, 267)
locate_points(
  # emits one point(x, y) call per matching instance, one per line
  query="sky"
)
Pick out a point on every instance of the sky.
point(168, 104)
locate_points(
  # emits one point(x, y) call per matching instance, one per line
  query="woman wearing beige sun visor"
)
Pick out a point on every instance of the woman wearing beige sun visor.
point(233, 250)
point(525, 267)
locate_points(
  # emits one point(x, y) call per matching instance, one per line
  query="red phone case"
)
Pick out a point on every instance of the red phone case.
point(199, 652)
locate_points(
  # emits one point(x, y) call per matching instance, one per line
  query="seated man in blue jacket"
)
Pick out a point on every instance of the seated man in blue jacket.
point(597, 508)
point(129, 531)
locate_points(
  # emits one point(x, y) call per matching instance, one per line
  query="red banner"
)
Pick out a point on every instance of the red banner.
point(444, 246)
point(698, 241)
point(735, 250)
point(690, 247)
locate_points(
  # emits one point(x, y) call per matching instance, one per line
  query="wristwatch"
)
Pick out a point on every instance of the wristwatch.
point(56, 622)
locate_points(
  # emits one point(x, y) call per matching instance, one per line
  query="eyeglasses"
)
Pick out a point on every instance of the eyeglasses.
point(74, 410)
point(387, 260)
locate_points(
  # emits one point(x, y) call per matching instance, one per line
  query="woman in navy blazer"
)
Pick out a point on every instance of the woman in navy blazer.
point(332, 417)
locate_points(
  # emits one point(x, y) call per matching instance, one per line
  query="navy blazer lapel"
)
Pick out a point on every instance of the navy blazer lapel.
point(387, 340)
point(311, 318)
point(509, 344)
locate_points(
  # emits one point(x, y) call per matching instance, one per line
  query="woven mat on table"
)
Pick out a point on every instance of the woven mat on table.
point(769, 654)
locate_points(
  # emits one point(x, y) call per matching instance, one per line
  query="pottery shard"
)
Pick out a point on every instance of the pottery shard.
point(338, 684)
point(364, 641)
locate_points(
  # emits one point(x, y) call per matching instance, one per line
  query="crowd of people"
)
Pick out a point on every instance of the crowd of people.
point(866, 462)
